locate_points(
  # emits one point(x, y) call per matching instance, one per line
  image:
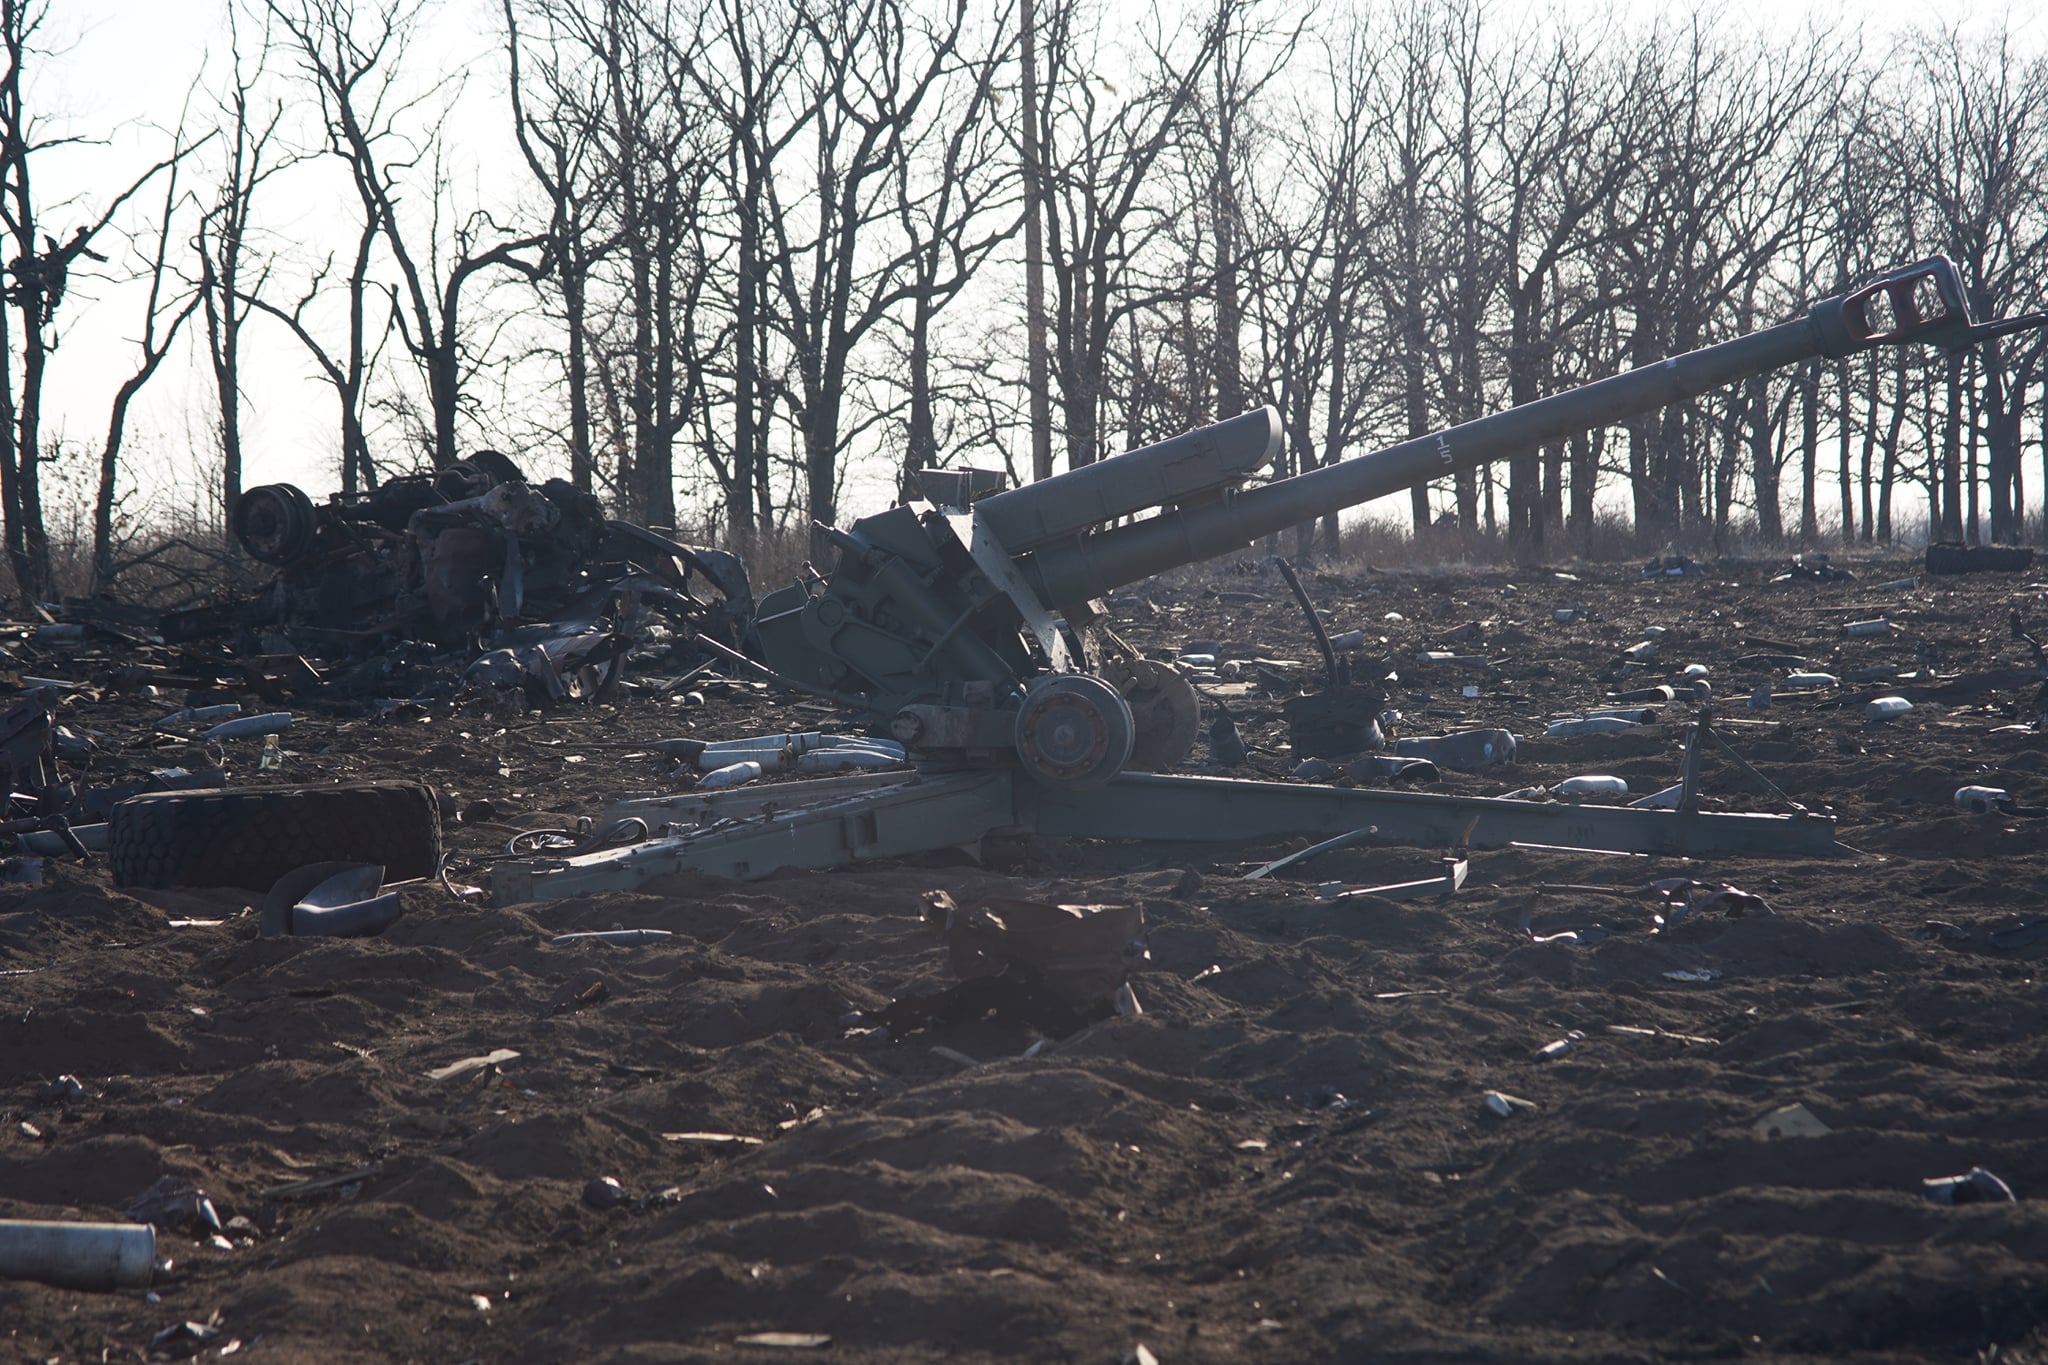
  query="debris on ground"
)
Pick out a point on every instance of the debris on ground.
point(712, 1047)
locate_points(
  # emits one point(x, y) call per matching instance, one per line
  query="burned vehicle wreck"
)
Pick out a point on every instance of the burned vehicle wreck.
point(533, 581)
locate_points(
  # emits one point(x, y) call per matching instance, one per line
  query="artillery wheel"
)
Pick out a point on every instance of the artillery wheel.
point(275, 522)
point(1074, 731)
point(1164, 708)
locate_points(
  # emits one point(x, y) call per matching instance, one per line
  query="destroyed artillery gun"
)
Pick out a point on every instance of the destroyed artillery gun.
point(970, 627)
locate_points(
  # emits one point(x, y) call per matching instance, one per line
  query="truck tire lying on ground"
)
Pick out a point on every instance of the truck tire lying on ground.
point(250, 838)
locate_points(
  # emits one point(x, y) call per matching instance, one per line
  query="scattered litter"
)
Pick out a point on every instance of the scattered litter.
point(1693, 974)
point(1983, 800)
point(1560, 1047)
point(340, 900)
point(193, 714)
point(1464, 751)
point(343, 1181)
point(1313, 851)
point(1503, 1105)
point(1683, 896)
point(173, 1205)
point(1592, 784)
point(63, 1090)
point(1581, 937)
point(1974, 1186)
point(790, 1341)
point(184, 1339)
point(954, 1055)
point(621, 936)
point(1634, 1031)
point(495, 1057)
point(1812, 680)
point(1941, 931)
point(1667, 799)
point(1127, 1002)
point(1587, 725)
point(1790, 1121)
point(604, 1192)
point(1886, 708)
point(1875, 626)
point(250, 727)
point(713, 1139)
point(731, 775)
point(1226, 741)
point(1447, 883)
point(1386, 768)
point(1814, 567)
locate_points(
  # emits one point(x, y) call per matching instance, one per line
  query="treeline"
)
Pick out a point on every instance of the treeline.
point(751, 254)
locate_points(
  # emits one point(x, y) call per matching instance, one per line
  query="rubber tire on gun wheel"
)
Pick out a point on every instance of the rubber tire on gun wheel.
point(252, 837)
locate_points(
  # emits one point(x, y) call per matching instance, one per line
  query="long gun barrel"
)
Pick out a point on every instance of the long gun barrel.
point(1924, 302)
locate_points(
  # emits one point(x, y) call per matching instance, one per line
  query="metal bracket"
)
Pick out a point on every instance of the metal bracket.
point(988, 554)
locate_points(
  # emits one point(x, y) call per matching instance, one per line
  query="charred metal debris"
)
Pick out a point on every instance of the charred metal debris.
point(542, 592)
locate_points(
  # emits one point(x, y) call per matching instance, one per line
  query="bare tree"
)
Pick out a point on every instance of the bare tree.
point(353, 63)
point(1564, 147)
point(748, 89)
point(1308, 281)
point(164, 312)
point(37, 276)
point(1970, 140)
point(1730, 178)
point(1102, 150)
point(222, 239)
point(955, 204)
point(871, 76)
point(1402, 261)
point(562, 142)
point(349, 371)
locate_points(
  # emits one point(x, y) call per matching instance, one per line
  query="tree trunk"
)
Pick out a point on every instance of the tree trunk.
point(1951, 518)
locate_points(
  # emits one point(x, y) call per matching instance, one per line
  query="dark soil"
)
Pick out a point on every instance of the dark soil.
point(1286, 1158)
